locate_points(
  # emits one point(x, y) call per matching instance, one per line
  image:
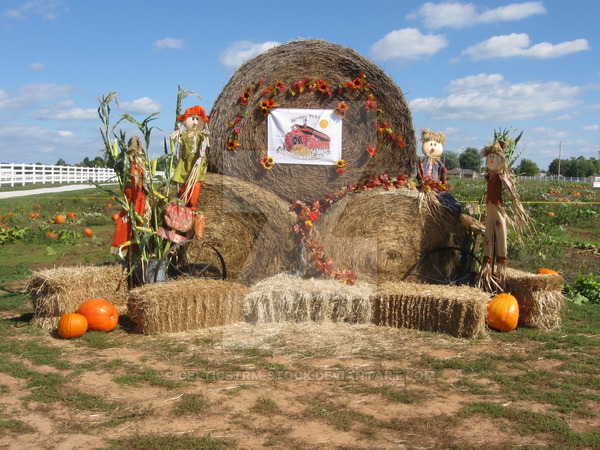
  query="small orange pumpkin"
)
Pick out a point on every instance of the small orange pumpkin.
point(71, 215)
point(100, 314)
point(503, 312)
point(88, 232)
point(542, 271)
point(72, 325)
point(60, 219)
point(31, 215)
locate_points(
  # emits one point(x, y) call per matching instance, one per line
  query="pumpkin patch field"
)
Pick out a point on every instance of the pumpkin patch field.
point(297, 385)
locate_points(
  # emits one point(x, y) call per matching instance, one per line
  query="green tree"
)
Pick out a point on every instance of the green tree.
point(527, 168)
point(553, 167)
point(450, 160)
point(61, 162)
point(470, 159)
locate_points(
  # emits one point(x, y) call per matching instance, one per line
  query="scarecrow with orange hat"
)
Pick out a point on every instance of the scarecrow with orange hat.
point(192, 141)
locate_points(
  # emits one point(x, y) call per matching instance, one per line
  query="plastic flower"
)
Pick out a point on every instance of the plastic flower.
point(322, 86)
point(371, 105)
point(371, 150)
point(341, 166)
point(279, 86)
point(233, 144)
point(357, 83)
point(400, 141)
point(341, 109)
point(267, 162)
point(245, 97)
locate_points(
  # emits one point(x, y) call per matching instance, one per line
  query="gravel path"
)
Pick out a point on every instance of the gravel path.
point(70, 187)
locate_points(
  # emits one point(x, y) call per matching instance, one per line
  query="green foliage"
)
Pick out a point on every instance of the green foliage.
point(451, 160)
point(575, 167)
point(527, 168)
point(584, 289)
point(470, 159)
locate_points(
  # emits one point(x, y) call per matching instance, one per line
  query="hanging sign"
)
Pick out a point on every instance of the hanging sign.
point(304, 136)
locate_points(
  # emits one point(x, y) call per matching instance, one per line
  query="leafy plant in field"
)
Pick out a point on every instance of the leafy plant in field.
point(584, 289)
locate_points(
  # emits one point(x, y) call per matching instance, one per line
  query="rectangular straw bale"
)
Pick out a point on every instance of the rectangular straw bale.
point(186, 304)
point(61, 290)
point(540, 298)
point(457, 310)
point(289, 298)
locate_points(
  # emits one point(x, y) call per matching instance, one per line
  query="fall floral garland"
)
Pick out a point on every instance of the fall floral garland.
point(301, 86)
point(309, 213)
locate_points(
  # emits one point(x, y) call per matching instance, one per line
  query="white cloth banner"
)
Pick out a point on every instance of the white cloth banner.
point(304, 136)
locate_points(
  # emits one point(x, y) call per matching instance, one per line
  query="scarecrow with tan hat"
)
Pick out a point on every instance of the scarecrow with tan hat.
point(498, 176)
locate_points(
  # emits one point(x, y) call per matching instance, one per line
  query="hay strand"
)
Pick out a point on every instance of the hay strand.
point(290, 298)
point(540, 298)
point(186, 304)
point(314, 59)
point(457, 310)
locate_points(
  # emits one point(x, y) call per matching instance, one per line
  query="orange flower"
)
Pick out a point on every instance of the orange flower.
point(264, 111)
point(267, 162)
point(341, 109)
point(233, 144)
point(245, 97)
point(279, 86)
point(323, 86)
point(341, 166)
point(357, 83)
point(371, 150)
point(371, 105)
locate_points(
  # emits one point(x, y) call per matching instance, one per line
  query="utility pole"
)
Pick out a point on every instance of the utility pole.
point(559, 153)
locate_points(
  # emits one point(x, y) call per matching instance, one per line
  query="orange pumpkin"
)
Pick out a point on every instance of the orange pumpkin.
point(503, 312)
point(71, 215)
point(72, 325)
point(31, 215)
point(115, 217)
point(100, 314)
point(88, 232)
point(542, 271)
point(60, 219)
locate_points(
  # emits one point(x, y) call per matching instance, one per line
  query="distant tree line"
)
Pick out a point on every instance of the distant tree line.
point(87, 162)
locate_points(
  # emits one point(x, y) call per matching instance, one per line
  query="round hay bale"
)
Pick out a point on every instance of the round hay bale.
point(315, 60)
point(251, 227)
point(379, 235)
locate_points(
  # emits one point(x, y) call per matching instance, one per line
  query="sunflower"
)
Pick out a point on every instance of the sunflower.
point(264, 110)
point(245, 97)
point(279, 86)
point(323, 86)
point(341, 109)
point(233, 144)
point(357, 83)
point(270, 103)
point(267, 162)
point(340, 165)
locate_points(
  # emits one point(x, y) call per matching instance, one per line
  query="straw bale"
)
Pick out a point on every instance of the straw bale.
point(314, 59)
point(186, 304)
point(61, 290)
point(457, 310)
point(251, 227)
point(540, 298)
point(290, 298)
point(379, 235)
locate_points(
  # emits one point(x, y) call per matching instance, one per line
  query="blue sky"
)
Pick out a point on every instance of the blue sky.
point(466, 68)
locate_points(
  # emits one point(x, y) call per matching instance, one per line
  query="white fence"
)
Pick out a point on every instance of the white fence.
point(22, 174)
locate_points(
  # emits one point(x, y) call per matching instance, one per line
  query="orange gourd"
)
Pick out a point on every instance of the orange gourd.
point(71, 215)
point(543, 271)
point(115, 217)
point(100, 314)
point(72, 325)
point(503, 312)
point(60, 219)
point(88, 232)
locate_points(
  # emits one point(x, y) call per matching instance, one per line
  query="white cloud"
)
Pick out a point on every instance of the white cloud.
point(486, 97)
point(462, 15)
point(47, 9)
point(142, 105)
point(169, 43)
point(33, 94)
point(36, 66)
point(66, 133)
point(241, 51)
point(407, 44)
point(518, 44)
point(591, 127)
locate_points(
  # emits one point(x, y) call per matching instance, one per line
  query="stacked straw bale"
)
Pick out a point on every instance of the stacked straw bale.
point(290, 63)
point(186, 304)
point(251, 227)
point(457, 310)
point(61, 290)
point(540, 298)
point(379, 235)
point(290, 298)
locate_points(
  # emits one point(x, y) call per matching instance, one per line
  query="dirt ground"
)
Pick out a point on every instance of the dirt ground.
point(277, 386)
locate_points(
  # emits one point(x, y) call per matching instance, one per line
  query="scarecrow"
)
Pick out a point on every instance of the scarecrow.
point(432, 173)
point(498, 176)
point(135, 194)
point(192, 143)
